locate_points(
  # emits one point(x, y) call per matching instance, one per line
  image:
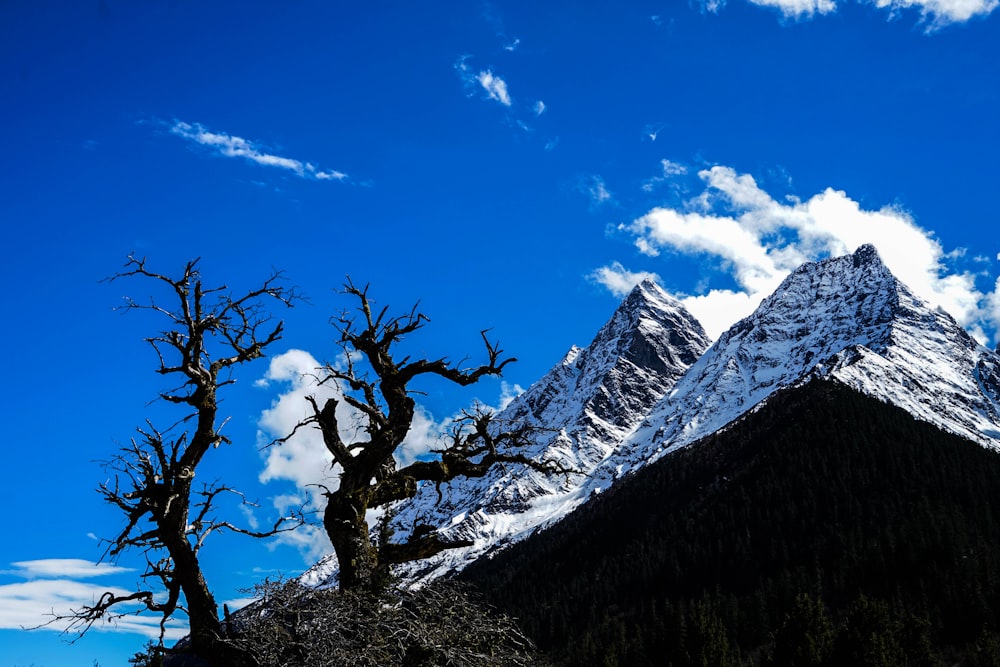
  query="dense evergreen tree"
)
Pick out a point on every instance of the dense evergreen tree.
point(786, 537)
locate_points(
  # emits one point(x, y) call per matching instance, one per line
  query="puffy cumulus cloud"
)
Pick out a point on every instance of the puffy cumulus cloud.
point(303, 459)
point(618, 280)
point(719, 309)
point(758, 240)
point(45, 588)
point(228, 145)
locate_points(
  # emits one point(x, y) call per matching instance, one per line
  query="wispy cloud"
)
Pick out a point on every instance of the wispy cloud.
point(595, 188)
point(652, 131)
point(495, 87)
point(939, 13)
point(54, 586)
point(512, 45)
point(484, 80)
point(76, 568)
point(934, 14)
point(228, 145)
point(539, 108)
point(669, 171)
point(798, 9)
point(744, 232)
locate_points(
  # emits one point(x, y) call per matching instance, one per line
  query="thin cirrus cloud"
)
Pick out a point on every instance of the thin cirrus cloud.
point(50, 587)
point(934, 13)
point(798, 8)
point(670, 169)
point(742, 231)
point(228, 145)
point(596, 189)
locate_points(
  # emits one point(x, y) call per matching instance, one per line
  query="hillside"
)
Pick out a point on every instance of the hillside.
point(823, 528)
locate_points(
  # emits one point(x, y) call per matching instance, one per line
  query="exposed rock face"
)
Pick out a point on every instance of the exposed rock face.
point(649, 384)
point(585, 405)
point(849, 319)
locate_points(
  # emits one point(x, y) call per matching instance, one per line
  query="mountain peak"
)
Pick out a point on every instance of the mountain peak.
point(585, 406)
point(866, 254)
point(648, 294)
point(649, 384)
point(849, 319)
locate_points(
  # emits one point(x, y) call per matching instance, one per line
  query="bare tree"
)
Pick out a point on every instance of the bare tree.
point(443, 623)
point(209, 333)
point(368, 475)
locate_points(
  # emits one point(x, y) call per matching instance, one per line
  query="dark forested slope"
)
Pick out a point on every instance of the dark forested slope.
point(824, 528)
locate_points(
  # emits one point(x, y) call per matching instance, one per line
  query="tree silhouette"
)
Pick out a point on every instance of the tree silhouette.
point(209, 333)
point(381, 393)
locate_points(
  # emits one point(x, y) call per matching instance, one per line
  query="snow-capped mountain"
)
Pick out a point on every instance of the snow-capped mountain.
point(847, 319)
point(647, 386)
point(584, 407)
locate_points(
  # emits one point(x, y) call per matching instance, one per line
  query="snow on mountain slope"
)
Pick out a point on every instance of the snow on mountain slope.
point(849, 319)
point(585, 406)
point(643, 388)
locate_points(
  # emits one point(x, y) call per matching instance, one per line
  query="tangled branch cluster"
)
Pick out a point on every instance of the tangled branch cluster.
point(439, 624)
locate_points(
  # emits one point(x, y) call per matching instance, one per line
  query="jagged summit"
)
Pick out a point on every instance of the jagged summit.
point(586, 404)
point(649, 383)
point(846, 318)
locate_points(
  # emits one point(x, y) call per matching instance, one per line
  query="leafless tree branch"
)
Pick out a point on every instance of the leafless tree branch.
point(209, 332)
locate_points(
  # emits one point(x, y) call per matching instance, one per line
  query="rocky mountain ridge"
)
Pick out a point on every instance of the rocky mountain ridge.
point(650, 384)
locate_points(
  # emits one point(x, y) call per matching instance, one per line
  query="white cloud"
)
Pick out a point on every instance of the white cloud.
point(51, 588)
point(228, 145)
point(76, 568)
point(508, 392)
point(618, 280)
point(668, 171)
point(495, 87)
point(595, 188)
point(652, 131)
point(539, 108)
point(798, 8)
point(512, 45)
point(939, 13)
point(758, 240)
point(935, 13)
point(304, 460)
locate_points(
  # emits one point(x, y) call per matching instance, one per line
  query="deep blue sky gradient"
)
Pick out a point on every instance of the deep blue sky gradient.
point(482, 212)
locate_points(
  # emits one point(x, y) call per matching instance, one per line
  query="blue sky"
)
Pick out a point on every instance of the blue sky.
point(507, 165)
